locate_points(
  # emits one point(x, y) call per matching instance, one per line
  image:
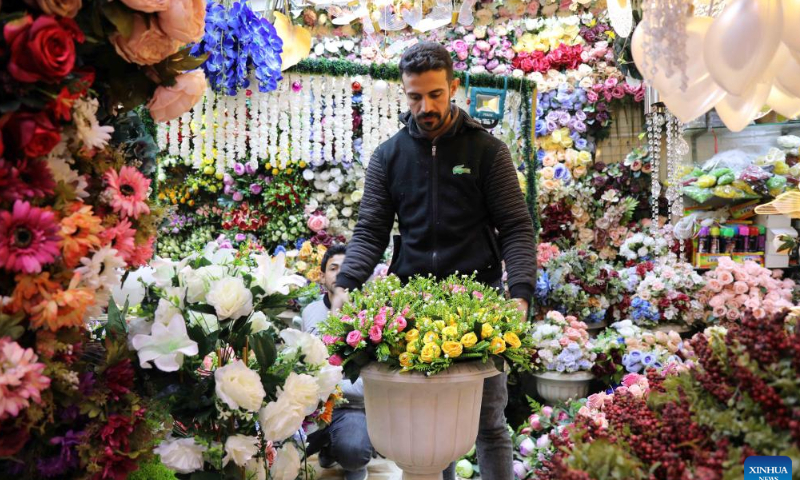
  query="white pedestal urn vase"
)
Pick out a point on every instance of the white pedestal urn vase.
point(560, 387)
point(423, 423)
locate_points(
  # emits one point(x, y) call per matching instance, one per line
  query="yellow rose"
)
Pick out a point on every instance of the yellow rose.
point(412, 347)
point(439, 325)
point(412, 335)
point(469, 340)
point(450, 332)
point(579, 171)
point(486, 330)
point(547, 173)
point(430, 337)
point(306, 250)
point(406, 359)
point(584, 157)
point(550, 184)
point(498, 346)
point(512, 340)
point(452, 349)
point(425, 321)
point(430, 352)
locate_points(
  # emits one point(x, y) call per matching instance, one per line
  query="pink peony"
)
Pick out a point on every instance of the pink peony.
point(169, 103)
point(147, 43)
point(318, 222)
point(184, 20)
point(21, 378)
point(375, 334)
point(547, 412)
point(28, 238)
point(354, 338)
point(335, 360)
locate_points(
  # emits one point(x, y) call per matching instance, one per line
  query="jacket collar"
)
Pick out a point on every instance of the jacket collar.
point(463, 120)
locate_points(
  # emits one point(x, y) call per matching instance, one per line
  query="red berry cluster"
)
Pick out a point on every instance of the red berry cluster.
point(711, 376)
point(765, 340)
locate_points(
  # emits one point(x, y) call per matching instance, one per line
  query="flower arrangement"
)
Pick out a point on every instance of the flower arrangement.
point(733, 288)
point(562, 344)
point(307, 260)
point(203, 335)
point(643, 247)
point(426, 325)
point(532, 442)
point(735, 403)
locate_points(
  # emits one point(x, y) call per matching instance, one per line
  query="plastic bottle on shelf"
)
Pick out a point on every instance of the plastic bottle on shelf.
point(714, 243)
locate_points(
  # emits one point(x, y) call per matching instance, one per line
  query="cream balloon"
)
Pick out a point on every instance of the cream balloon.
point(738, 111)
point(700, 97)
point(783, 102)
point(788, 76)
point(791, 22)
point(668, 82)
point(742, 42)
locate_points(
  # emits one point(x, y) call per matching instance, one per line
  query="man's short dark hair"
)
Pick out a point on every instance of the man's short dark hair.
point(335, 249)
point(426, 56)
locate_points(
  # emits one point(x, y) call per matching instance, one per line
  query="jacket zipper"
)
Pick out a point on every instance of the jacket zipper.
point(435, 186)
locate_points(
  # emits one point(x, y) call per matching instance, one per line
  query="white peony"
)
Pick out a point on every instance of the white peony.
point(182, 455)
point(239, 387)
point(328, 377)
point(287, 463)
point(165, 345)
point(259, 322)
point(280, 419)
point(316, 353)
point(240, 449)
point(302, 391)
point(230, 298)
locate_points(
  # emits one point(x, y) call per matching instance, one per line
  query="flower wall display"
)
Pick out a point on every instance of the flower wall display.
point(736, 402)
point(75, 211)
point(426, 325)
point(203, 335)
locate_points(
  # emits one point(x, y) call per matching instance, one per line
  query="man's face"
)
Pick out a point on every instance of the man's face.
point(428, 95)
point(332, 270)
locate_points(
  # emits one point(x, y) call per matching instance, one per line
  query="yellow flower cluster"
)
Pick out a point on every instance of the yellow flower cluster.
point(307, 261)
point(557, 140)
point(550, 38)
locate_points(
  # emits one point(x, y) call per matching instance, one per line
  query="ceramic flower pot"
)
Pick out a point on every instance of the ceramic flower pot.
point(682, 330)
point(423, 423)
point(560, 387)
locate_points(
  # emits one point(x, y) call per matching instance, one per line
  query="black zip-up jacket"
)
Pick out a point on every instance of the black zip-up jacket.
point(459, 207)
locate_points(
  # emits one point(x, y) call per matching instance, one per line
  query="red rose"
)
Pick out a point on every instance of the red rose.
point(41, 49)
point(32, 134)
point(527, 65)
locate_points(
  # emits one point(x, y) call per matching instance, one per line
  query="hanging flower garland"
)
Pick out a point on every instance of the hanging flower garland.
point(237, 42)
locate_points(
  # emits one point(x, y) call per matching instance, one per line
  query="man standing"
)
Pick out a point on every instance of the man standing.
point(345, 441)
point(454, 190)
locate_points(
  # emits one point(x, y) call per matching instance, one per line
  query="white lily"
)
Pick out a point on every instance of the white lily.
point(165, 345)
point(273, 276)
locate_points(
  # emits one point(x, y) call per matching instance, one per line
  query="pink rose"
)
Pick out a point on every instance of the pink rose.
point(460, 46)
point(399, 324)
point(715, 302)
point(591, 96)
point(375, 334)
point(740, 287)
point(354, 338)
point(759, 313)
point(535, 422)
point(335, 360)
point(316, 223)
point(725, 278)
point(380, 320)
point(547, 412)
point(714, 285)
point(347, 319)
point(483, 45)
point(148, 6)
point(732, 314)
point(477, 295)
point(631, 379)
point(720, 312)
point(169, 103)
point(462, 55)
point(564, 341)
point(147, 44)
point(184, 20)
point(330, 339)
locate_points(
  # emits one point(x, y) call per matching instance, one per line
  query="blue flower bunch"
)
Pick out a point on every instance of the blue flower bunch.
point(237, 42)
point(543, 286)
point(596, 317)
point(636, 361)
point(642, 311)
point(571, 359)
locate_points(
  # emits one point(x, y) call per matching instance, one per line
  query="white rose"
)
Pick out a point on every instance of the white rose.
point(643, 251)
point(197, 282)
point(239, 387)
point(163, 271)
point(280, 419)
point(328, 377)
point(230, 298)
point(649, 241)
point(287, 463)
point(182, 455)
point(347, 212)
point(259, 322)
point(301, 390)
point(316, 353)
point(240, 449)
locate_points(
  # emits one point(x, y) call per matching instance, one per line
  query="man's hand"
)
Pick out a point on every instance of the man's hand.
point(338, 299)
point(522, 305)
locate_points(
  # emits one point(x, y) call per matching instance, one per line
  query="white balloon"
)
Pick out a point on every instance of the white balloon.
point(742, 42)
point(791, 22)
point(738, 111)
point(667, 82)
point(784, 103)
point(700, 97)
point(379, 88)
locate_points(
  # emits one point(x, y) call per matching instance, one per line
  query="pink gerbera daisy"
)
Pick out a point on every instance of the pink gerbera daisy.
point(34, 178)
point(21, 378)
point(120, 237)
point(129, 191)
point(28, 238)
point(142, 253)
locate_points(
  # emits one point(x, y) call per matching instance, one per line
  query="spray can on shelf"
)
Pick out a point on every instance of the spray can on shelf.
point(728, 241)
point(762, 239)
point(744, 238)
point(702, 240)
point(714, 244)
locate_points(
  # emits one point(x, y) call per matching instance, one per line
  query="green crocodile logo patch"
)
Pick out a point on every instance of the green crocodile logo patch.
point(460, 170)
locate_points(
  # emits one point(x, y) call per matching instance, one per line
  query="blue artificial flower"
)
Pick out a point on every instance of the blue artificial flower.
point(543, 286)
point(299, 243)
point(648, 359)
point(561, 172)
point(279, 249)
point(541, 128)
point(581, 144)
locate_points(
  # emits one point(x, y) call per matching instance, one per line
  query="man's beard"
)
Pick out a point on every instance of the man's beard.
point(420, 118)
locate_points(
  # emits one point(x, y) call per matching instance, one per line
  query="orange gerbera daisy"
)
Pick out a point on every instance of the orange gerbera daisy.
point(62, 309)
point(29, 291)
point(327, 413)
point(80, 233)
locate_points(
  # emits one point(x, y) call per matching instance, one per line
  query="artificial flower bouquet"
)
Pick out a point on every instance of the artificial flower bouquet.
point(426, 325)
point(643, 246)
point(733, 288)
point(532, 443)
point(207, 354)
point(562, 344)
